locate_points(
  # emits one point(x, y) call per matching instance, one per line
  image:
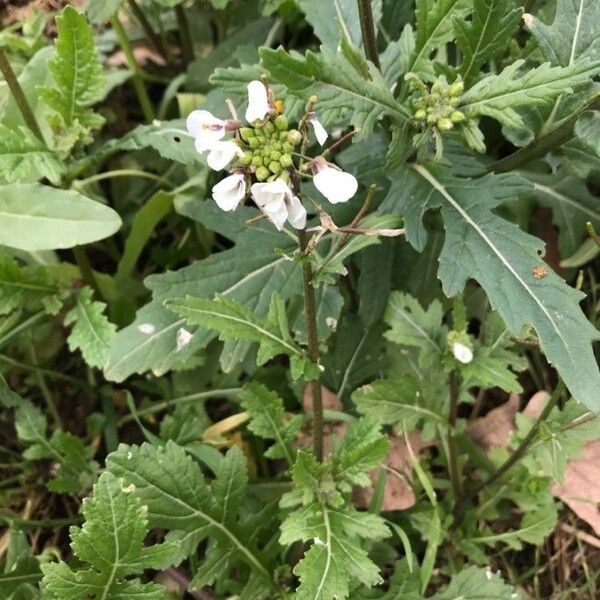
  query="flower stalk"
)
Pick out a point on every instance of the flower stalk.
point(369, 35)
point(453, 466)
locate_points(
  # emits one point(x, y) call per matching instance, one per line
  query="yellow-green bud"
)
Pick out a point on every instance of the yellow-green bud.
point(275, 155)
point(286, 160)
point(269, 127)
point(281, 123)
point(431, 119)
point(294, 137)
point(254, 142)
point(457, 116)
point(444, 124)
point(433, 98)
point(246, 159)
point(257, 161)
point(247, 133)
point(283, 136)
point(262, 173)
point(454, 100)
point(286, 147)
point(457, 88)
point(275, 167)
point(421, 114)
point(436, 87)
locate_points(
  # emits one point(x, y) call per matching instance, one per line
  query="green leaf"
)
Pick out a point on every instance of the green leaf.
point(24, 157)
point(26, 570)
point(493, 25)
point(92, 331)
point(587, 129)
point(268, 421)
point(574, 34)
point(477, 584)
point(498, 96)
point(434, 28)
point(111, 545)
point(37, 217)
point(178, 497)
point(78, 79)
point(100, 11)
point(501, 258)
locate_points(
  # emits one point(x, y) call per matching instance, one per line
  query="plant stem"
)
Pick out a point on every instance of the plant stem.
point(50, 404)
point(369, 35)
point(313, 344)
point(152, 36)
point(187, 46)
point(121, 173)
point(515, 457)
point(17, 92)
point(85, 268)
point(453, 466)
point(137, 79)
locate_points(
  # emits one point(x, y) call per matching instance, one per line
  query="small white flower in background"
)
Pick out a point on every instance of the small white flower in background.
point(258, 102)
point(229, 192)
point(279, 204)
point(222, 153)
point(320, 132)
point(462, 353)
point(205, 128)
point(184, 337)
point(336, 185)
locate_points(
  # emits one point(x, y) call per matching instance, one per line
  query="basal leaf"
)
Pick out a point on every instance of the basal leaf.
point(504, 261)
point(477, 584)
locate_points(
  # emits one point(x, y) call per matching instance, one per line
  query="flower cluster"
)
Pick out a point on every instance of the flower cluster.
point(263, 159)
point(436, 107)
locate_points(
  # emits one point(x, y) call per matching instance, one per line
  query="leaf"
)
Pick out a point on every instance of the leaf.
point(587, 129)
point(501, 258)
point(493, 25)
point(434, 28)
point(498, 96)
point(26, 570)
point(100, 11)
point(234, 321)
point(178, 497)
point(110, 544)
point(92, 331)
point(574, 34)
point(78, 79)
point(24, 157)
point(37, 217)
point(267, 420)
point(477, 584)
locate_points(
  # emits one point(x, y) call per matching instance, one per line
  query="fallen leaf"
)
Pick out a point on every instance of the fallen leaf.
point(330, 400)
point(495, 428)
point(143, 55)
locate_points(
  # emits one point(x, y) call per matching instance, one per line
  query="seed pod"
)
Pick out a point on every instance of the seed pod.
point(457, 116)
point(286, 160)
point(246, 159)
point(247, 133)
point(294, 137)
point(444, 124)
point(281, 123)
point(262, 173)
point(275, 167)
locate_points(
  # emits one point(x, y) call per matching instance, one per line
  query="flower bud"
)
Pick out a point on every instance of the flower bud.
point(436, 87)
point(247, 133)
point(433, 98)
point(421, 114)
point(431, 119)
point(246, 159)
point(254, 142)
point(453, 100)
point(269, 127)
point(457, 116)
point(283, 136)
point(286, 147)
point(457, 88)
point(444, 124)
point(281, 123)
point(286, 160)
point(275, 167)
point(257, 161)
point(262, 173)
point(275, 155)
point(294, 137)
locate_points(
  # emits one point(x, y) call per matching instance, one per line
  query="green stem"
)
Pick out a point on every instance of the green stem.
point(121, 173)
point(48, 372)
point(50, 404)
point(453, 466)
point(152, 36)
point(369, 35)
point(313, 344)
point(32, 320)
point(17, 92)
point(515, 457)
point(85, 268)
point(137, 79)
point(187, 46)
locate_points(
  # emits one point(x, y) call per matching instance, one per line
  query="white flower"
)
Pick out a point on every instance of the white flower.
point(205, 128)
point(279, 204)
point(462, 353)
point(222, 153)
point(229, 192)
point(337, 186)
point(258, 102)
point(320, 132)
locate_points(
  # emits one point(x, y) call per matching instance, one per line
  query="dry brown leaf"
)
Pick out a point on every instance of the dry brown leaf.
point(496, 427)
point(143, 55)
point(330, 400)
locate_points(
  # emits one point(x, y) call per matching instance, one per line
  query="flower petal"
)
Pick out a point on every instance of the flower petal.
point(270, 198)
point(221, 154)
point(462, 353)
point(320, 132)
point(336, 186)
point(229, 192)
point(258, 102)
point(205, 128)
point(296, 213)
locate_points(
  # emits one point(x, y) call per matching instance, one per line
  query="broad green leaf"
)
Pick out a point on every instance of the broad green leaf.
point(574, 34)
point(583, 255)
point(178, 497)
point(587, 130)
point(268, 420)
point(477, 584)
point(100, 11)
point(434, 28)
point(502, 259)
point(38, 217)
point(498, 96)
point(26, 570)
point(110, 544)
point(92, 331)
point(493, 24)
point(24, 157)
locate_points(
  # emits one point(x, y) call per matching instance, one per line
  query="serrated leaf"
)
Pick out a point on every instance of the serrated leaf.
point(498, 96)
point(110, 544)
point(574, 34)
point(24, 157)
point(179, 498)
point(267, 420)
point(477, 584)
point(92, 331)
point(493, 24)
point(587, 130)
point(502, 259)
point(38, 217)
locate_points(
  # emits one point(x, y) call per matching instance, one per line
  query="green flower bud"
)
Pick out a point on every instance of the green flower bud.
point(457, 116)
point(433, 98)
point(294, 137)
point(257, 161)
point(431, 119)
point(247, 133)
point(262, 173)
point(284, 175)
point(419, 103)
point(246, 159)
point(286, 147)
point(444, 124)
point(286, 160)
point(269, 127)
point(437, 87)
point(454, 100)
point(421, 114)
point(283, 136)
point(281, 123)
point(275, 167)
point(457, 88)
point(254, 142)
point(275, 155)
